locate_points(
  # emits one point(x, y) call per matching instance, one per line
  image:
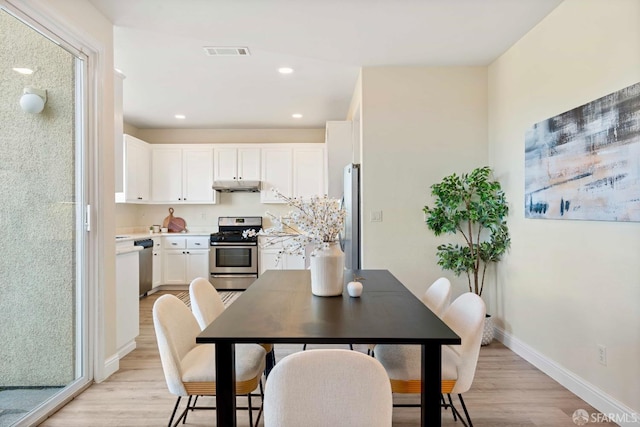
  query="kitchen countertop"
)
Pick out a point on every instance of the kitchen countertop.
point(139, 236)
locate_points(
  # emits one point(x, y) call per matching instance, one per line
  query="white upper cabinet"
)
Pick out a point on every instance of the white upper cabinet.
point(296, 170)
point(182, 174)
point(236, 163)
point(225, 164)
point(309, 171)
point(136, 170)
point(166, 174)
point(197, 175)
point(277, 168)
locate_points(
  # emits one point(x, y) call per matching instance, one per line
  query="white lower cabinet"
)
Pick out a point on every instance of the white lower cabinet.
point(156, 279)
point(157, 269)
point(267, 261)
point(185, 258)
point(268, 254)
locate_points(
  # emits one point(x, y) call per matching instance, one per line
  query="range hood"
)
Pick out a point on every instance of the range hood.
point(233, 186)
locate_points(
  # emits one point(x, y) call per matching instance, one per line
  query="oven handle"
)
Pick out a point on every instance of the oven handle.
point(233, 275)
point(239, 245)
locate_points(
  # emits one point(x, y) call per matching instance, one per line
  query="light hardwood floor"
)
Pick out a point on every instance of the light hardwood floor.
point(507, 391)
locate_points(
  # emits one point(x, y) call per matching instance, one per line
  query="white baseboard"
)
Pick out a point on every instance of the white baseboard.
point(617, 411)
point(111, 365)
point(126, 349)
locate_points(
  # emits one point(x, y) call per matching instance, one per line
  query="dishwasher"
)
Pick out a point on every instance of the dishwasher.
point(146, 265)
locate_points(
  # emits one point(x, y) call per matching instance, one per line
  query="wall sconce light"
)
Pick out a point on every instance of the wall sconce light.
point(33, 100)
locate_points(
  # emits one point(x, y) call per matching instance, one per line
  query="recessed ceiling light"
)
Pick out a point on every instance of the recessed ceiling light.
point(23, 70)
point(285, 70)
point(180, 116)
point(296, 116)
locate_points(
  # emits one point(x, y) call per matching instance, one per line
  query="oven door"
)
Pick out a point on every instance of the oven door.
point(233, 258)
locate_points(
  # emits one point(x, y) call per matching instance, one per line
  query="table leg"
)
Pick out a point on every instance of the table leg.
point(225, 384)
point(431, 384)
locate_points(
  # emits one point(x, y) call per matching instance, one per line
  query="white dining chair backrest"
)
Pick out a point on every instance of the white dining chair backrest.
point(326, 387)
point(206, 303)
point(176, 332)
point(465, 316)
point(438, 296)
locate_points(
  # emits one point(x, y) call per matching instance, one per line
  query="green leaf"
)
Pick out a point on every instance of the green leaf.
point(469, 201)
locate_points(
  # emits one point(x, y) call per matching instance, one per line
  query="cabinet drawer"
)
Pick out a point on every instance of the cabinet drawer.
point(175, 242)
point(198, 242)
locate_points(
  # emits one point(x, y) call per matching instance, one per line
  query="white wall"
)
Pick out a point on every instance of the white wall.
point(419, 124)
point(567, 286)
point(138, 218)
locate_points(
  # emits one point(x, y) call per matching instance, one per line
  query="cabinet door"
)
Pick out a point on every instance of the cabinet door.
point(293, 262)
point(276, 173)
point(225, 163)
point(267, 260)
point(249, 164)
point(174, 267)
point(166, 174)
point(136, 169)
point(197, 175)
point(157, 269)
point(309, 177)
point(197, 264)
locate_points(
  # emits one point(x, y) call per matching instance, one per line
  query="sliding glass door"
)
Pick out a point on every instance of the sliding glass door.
point(43, 302)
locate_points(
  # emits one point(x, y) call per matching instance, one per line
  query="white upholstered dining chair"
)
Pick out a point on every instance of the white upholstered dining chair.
point(207, 305)
point(438, 296)
point(327, 388)
point(189, 368)
point(465, 316)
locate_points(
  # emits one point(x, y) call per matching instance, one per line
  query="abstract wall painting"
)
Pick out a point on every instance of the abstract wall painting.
point(584, 164)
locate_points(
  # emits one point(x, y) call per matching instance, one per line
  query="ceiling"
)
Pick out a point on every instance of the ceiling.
point(159, 48)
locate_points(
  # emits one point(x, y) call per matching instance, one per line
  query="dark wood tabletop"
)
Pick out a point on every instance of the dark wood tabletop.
point(280, 308)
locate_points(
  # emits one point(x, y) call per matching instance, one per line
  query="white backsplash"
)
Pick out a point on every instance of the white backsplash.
point(199, 218)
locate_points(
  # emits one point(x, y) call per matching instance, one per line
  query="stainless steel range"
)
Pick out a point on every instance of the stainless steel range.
point(233, 259)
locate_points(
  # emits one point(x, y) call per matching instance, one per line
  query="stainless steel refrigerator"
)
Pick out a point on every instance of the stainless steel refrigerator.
point(350, 236)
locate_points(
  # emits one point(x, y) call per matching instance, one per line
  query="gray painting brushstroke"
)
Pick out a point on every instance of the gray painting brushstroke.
point(585, 163)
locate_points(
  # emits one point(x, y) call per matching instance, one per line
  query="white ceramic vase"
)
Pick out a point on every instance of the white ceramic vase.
point(327, 271)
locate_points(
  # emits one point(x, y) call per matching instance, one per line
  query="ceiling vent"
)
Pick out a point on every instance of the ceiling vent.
point(226, 51)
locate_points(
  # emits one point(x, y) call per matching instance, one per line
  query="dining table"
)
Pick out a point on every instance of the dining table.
point(280, 308)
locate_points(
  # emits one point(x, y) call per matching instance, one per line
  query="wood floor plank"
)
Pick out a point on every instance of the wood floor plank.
point(507, 391)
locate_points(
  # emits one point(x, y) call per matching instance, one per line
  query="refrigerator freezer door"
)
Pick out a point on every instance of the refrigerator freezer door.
point(350, 239)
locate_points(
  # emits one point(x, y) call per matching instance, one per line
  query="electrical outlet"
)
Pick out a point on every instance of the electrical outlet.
point(602, 354)
point(204, 216)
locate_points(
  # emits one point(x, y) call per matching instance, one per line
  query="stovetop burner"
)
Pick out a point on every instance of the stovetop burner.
point(231, 229)
point(231, 236)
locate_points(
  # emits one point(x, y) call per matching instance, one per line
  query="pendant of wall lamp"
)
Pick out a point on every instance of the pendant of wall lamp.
point(33, 100)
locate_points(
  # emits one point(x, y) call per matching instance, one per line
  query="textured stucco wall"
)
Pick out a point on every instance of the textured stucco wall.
point(37, 190)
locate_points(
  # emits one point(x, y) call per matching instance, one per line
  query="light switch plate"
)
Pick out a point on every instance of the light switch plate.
point(376, 216)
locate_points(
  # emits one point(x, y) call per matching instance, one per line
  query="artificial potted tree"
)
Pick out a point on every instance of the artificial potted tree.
point(474, 206)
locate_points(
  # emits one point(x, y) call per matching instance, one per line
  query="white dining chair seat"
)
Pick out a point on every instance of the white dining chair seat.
point(199, 363)
point(402, 362)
